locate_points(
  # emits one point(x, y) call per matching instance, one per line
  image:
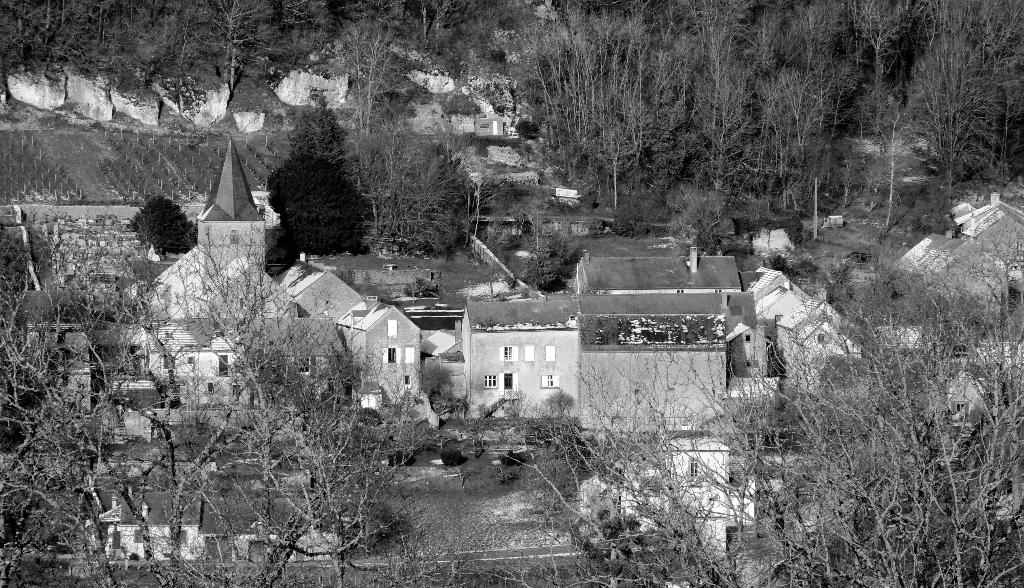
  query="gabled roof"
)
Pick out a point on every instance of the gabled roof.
point(975, 222)
point(233, 199)
point(660, 273)
point(523, 315)
point(932, 253)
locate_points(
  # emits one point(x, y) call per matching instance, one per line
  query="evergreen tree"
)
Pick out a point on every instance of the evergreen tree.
point(163, 224)
point(321, 210)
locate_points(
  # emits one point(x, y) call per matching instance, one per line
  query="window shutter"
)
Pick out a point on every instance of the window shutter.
point(515, 354)
point(385, 360)
point(515, 381)
point(392, 328)
point(528, 353)
point(410, 352)
point(549, 353)
point(554, 381)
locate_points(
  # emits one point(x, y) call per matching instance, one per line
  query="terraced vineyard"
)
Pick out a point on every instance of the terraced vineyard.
point(104, 166)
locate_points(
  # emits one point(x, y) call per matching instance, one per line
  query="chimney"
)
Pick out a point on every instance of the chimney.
point(586, 255)
point(693, 259)
point(371, 300)
point(725, 302)
point(787, 284)
point(994, 198)
point(302, 257)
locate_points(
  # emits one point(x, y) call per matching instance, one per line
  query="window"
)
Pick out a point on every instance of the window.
point(234, 238)
point(694, 468)
point(528, 353)
point(391, 355)
point(549, 353)
point(509, 354)
point(138, 535)
point(410, 355)
point(168, 362)
point(209, 387)
point(305, 364)
point(191, 360)
point(222, 364)
point(549, 381)
point(392, 328)
point(508, 381)
point(821, 337)
point(490, 381)
point(960, 407)
point(746, 337)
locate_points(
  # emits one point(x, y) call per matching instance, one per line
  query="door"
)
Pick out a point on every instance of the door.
point(508, 381)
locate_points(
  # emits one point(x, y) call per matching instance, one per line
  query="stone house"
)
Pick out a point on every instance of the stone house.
point(695, 486)
point(128, 535)
point(651, 361)
point(520, 354)
point(193, 360)
point(657, 275)
point(316, 292)
point(387, 345)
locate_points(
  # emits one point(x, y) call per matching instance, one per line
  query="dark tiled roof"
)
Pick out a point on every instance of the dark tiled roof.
point(524, 314)
point(435, 318)
point(653, 330)
point(659, 273)
point(233, 200)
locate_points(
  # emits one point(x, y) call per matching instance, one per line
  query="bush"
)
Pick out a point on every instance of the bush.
point(527, 129)
point(559, 403)
point(423, 288)
point(451, 456)
point(513, 458)
point(368, 416)
point(458, 103)
point(635, 218)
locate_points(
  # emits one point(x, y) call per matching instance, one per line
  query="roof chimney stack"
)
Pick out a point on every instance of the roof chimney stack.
point(693, 260)
point(302, 257)
point(994, 198)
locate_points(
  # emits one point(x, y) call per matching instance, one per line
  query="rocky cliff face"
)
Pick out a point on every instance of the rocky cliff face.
point(298, 88)
point(89, 97)
point(144, 108)
point(206, 108)
point(249, 122)
point(41, 91)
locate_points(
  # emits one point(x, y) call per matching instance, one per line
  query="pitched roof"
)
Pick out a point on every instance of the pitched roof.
point(975, 222)
point(660, 319)
point(659, 273)
point(523, 315)
point(934, 252)
point(233, 199)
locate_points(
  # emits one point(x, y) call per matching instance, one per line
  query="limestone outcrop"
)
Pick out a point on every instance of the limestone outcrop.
point(249, 122)
point(206, 108)
point(89, 97)
point(298, 88)
point(435, 82)
point(145, 109)
point(39, 90)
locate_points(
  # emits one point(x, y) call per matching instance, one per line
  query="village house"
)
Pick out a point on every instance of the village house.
point(657, 275)
point(983, 256)
point(193, 360)
point(521, 356)
point(653, 361)
point(317, 292)
point(128, 535)
point(217, 528)
point(444, 365)
point(387, 345)
point(694, 486)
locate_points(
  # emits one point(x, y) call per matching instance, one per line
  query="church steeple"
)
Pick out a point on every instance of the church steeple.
point(233, 200)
